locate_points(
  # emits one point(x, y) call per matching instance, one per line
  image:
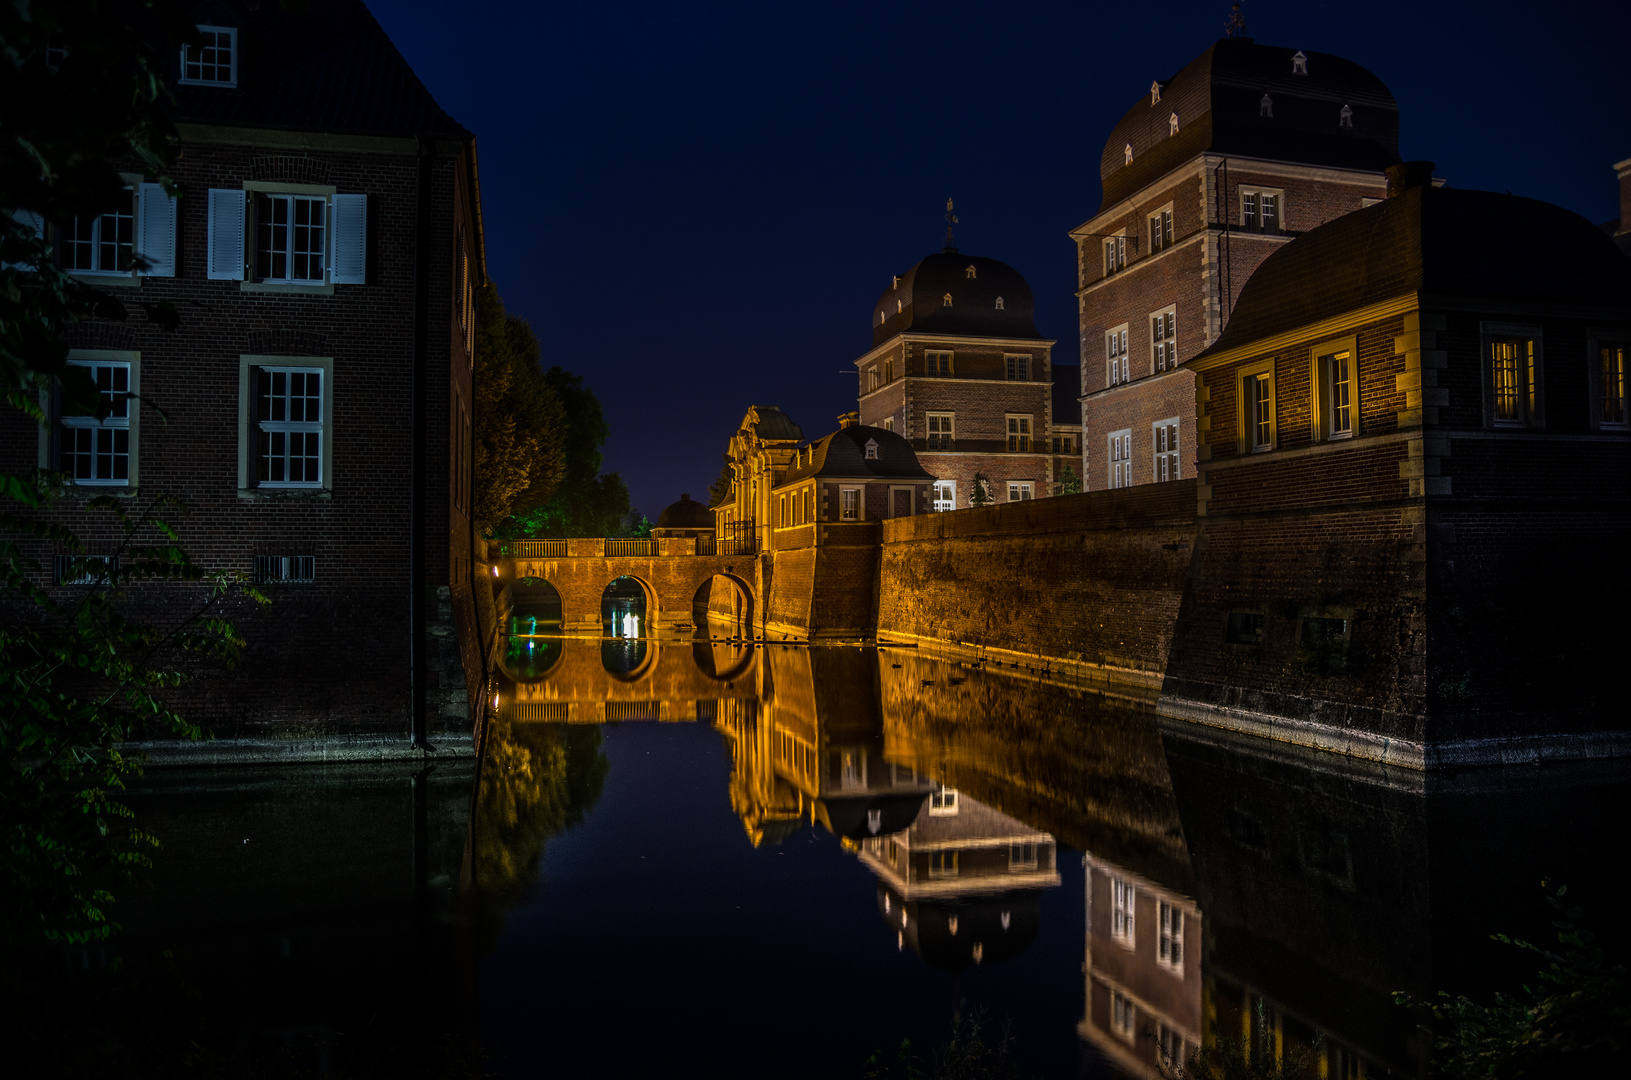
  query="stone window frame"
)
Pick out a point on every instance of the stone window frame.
point(939, 362)
point(1534, 402)
point(1124, 912)
point(233, 51)
point(1025, 489)
point(248, 364)
point(1256, 192)
point(1123, 1016)
point(1169, 922)
point(1246, 426)
point(1320, 379)
point(1160, 230)
point(1115, 253)
point(1116, 345)
point(1119, 459)
point(940, 429)
point(940, 505)
point(1596, 340)
point(1019, 433)
point(910, 490)
point(50, 435)
point(1017, 362)
point(1165, 436)
point(859, 491)
point(1164, 339)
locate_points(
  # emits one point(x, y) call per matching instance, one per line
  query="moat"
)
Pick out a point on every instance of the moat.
point(723, 858)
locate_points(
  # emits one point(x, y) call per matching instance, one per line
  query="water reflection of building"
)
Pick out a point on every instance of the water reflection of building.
point(962, 884)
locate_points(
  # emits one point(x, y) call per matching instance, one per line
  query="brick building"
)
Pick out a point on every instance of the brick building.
point(1414, 465)
point(1208, 174)
point(958, 369)
point(316, 399)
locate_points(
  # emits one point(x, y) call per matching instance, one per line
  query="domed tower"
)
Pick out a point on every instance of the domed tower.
point(958, 369)
point(684, 518)
point(1208, 173)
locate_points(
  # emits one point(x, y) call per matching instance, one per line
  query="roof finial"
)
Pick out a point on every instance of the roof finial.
point(951, 219)
point(1235, 24)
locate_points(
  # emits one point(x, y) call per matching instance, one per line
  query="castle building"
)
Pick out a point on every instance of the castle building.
point(1209, 173)
point(958, 369)
point(313, 410)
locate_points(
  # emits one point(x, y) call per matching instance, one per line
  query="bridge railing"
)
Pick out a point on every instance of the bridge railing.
point(626, 548)
point(533, 549)
point(726, 545)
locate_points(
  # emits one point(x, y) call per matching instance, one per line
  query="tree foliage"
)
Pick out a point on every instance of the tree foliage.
point(1069, 482)
point(587, 503)
point(520, 425)
point(981, 495)
point(722, 484)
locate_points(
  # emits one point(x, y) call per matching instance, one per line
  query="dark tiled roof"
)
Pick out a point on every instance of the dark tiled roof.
point(685, 514)
point(843, 455)
point(1067, 390)
point(917, 304)
point(1437, 241)
point(1217, 98)
point(328, 69)
point(773, 424)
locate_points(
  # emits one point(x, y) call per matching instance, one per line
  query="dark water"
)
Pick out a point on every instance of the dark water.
point(697, 859)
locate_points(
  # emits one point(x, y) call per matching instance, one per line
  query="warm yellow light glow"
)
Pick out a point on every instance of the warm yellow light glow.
point(495, 701)
point(495, 571)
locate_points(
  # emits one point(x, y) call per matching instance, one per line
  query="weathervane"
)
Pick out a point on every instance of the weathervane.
point(1235, 24)
point(951, 219)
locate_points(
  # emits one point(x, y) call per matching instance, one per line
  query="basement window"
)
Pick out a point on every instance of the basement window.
point(1244, 628)
point(84, 569)
point(285, 569)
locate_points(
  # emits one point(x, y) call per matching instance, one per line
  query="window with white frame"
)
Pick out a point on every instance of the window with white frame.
point(102, 243)
point(1121, 1015)
point(1019, 368)
point(1000, 304)
point(96, 452)
point(937, 363)
point(214, 60)
point(285, 569)
point(940, 430)
point(1257, 407)
point(1164, 437)
point(1160, 231)
point(945, 495)
point(1121, 458)
point(290, 238)
point(282, 235)
point(1514, 381)
point(1338, 389)
point(1019, 434)
point(1164, 339)
point(849, 504)
point(942, 864)
point(870, 451)
point(943, 801)
point(289, 427)
point(871, 379)
point(1169, 949)
point(1610, 385)
point(1020, 491)
point(1123, 901)
point(1115, 254)
point(1115, 355)
point(1261, 210)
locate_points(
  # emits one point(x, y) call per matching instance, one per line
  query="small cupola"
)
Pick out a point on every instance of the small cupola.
point(849, 419)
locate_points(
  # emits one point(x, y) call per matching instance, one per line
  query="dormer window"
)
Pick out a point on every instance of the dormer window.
point(1155, 92)
point(969, 272)
point(1346, 118)
point(945, 301)
point(1299, 64)
point(899, 306)
point(1172, 124)
point(872, 449)
point(1266, 107)
point(1127, 152)
point(212, 62)
point(999, 304)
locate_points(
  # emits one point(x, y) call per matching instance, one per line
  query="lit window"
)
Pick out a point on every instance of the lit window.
point(285, 569)
point(940, 430)
point(1260, 210)
point(289, 238)
point(1339, 394)
point(943, 801)
point(1160, 231)
point(94, 452)
point(1115, 354)
point(1164, 437)
point(888, 425)
point(849, 502)
point(102, 243)
point(945, 495)
point(1115, 254)
point(1019, 434)
point(1514, 381)
point(289, 427)
point(945, 301)
point(1123, 901)
point(212, 62)
point(1019, 491)
point(942, 864)
point(1121, 458)
point(1164, 340)
point(1170, 1045)
point(1257, 395)
point(1019, 368)
point(1169, 950)
point(937, 363)
point(1611, 384)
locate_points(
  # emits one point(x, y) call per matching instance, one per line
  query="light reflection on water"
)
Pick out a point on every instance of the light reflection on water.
point(814, 853)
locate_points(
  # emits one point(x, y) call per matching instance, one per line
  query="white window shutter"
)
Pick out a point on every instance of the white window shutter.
point(34, 220)
point(156, 231)
point(349, 261)
point(226, 240)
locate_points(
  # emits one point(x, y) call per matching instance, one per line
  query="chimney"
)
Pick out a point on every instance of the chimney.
point(1406, 175)
point(849, 419)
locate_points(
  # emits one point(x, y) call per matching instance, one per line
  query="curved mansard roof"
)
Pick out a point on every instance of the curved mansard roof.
point(917, 301)
point(843, 455)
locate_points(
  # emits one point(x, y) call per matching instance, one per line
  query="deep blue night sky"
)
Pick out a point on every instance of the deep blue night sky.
point(696, 204)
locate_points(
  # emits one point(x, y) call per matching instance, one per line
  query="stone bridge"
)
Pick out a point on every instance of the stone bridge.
point(679, 576)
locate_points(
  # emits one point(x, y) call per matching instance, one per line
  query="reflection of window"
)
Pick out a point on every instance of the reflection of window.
point(1019, 434)
point(945, 495)
point(849, 501)
point(1169, 950)
point(1121, 1015)
point(97, 452)
point(1022, 856)
point(1121, 458)
point(1122, 899)
point(1170, 1044)
point(942, 864)
point(940, 430)
point(943, 801)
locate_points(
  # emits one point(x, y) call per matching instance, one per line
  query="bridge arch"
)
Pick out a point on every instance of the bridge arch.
point(723, 602)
